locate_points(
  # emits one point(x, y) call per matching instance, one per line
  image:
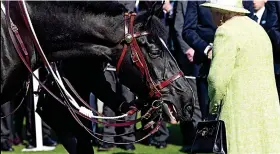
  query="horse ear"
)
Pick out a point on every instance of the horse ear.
point(152, 13)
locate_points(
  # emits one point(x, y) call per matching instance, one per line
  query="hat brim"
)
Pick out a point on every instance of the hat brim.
point(225, 9)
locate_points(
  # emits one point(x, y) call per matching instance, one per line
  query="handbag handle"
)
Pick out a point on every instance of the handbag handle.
point(219, 110)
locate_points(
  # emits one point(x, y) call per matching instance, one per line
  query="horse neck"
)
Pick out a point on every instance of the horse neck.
point(71, 31)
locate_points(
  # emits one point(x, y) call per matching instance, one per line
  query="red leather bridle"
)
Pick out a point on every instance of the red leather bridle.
point(139, 59)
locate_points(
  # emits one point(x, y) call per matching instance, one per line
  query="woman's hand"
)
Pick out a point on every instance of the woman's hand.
point(214, 108)
point(190, 54)
point(209, 54)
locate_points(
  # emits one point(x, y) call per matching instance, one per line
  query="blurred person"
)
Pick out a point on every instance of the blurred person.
point(27, 110)
point(111, 77)
point(198, 32)
point(181, 47)
point(241, 81)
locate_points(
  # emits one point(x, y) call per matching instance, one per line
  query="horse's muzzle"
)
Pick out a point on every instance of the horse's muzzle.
point(170, 113)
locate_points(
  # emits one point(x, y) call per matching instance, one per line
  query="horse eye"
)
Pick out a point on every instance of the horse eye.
point(154, 51)
point(154, 56)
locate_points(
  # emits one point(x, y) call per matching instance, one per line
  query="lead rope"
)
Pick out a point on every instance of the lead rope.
point(74, 112)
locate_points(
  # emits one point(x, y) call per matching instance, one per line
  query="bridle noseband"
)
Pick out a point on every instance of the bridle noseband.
point(139, 59)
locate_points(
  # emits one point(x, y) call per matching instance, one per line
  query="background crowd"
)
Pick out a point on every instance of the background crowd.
point(191, 31)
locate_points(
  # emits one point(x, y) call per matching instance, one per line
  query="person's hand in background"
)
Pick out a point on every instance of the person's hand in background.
point(190, 54)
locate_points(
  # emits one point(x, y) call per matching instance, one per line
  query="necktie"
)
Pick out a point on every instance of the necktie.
point(255, 18)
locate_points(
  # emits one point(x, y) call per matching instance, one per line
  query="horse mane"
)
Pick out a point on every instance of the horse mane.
point(114, 8)
point(104, 7)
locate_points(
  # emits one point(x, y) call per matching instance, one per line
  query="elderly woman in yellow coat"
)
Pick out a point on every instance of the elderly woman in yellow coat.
point(241, 78)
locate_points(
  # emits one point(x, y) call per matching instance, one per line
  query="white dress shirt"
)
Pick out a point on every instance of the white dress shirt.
point(259, 14)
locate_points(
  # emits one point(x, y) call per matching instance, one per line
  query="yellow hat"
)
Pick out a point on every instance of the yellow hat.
point(226, 6)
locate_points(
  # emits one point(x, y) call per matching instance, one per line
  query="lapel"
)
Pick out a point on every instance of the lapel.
point(263, 21)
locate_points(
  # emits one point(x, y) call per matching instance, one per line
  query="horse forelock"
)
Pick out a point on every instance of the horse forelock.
point(155, 27)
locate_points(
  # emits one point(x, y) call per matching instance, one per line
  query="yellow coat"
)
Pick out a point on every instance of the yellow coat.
point(241, 76)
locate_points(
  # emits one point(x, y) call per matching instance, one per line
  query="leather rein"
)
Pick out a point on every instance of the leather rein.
point(137, 57)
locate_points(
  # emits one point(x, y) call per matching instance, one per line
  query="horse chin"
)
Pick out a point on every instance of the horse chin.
point(170, 113)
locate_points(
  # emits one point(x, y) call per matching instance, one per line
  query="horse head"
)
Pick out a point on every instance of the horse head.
point(150, 70)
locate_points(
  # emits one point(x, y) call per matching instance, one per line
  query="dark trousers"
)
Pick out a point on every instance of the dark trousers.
point(161, 135)
point(6, 123)
point(202, 93)
point(188, 127)
point(71, 135)
point(129, 96)
point(27, 110)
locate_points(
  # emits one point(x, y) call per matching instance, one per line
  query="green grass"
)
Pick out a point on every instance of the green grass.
point(173, 147)
point(140, 149)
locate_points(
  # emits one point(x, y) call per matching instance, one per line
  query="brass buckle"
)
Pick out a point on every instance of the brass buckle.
point(128, 38)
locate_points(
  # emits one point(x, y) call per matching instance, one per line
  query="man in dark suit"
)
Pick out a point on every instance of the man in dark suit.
point(181, 47)
point(198, 32)
point(265, 14)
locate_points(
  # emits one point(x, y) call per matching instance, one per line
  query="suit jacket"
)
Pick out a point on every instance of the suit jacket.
point(199, 29)
point(180, 12)
point(277, 5)
point(129, 5)
point(270, 22)
point(180, 44)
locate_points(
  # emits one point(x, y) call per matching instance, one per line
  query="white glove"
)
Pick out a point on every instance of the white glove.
point(86, 112)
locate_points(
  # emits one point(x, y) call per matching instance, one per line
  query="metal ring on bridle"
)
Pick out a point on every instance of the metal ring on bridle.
point(156, 103)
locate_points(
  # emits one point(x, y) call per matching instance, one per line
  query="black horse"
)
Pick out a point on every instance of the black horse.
point(84, 35)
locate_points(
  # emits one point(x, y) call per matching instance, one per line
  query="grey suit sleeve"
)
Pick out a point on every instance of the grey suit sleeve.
point(129, 5)
point(179, 23)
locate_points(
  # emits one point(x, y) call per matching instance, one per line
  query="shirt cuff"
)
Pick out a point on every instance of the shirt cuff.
point(208, 48)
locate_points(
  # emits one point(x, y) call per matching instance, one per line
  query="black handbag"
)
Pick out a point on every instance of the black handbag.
point(210, 137)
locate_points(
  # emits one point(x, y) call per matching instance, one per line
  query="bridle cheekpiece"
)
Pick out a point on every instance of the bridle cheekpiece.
point(138, 58)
